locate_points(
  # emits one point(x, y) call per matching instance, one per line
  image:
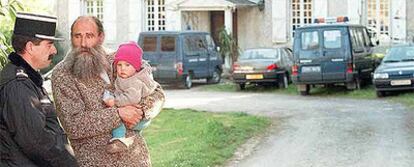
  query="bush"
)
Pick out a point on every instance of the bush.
point(8, 9)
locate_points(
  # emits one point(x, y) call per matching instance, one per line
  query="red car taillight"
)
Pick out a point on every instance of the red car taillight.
point(236, 67)
point(179, 68)
point(272, 67)
point(295, 70)
point(349, 68)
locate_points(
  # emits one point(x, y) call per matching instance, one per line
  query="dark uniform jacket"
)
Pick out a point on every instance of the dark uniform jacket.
point(30, 133)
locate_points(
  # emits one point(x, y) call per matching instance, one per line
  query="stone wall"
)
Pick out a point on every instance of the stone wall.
point(196, 20)
point(410, 20)
point(254, 27)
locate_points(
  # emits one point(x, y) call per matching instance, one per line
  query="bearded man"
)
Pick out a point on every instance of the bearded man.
point(78, 84)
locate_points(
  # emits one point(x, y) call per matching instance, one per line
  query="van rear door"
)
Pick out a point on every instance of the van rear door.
point(334, 62)
point(149, 45)
point(309, 57)
point(168, 57)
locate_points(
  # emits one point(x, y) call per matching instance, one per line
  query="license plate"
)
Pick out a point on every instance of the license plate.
point(254, 76)
point(311, 69)
point(400, 82)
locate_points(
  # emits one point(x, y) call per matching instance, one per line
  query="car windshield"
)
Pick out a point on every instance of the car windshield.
point(399, 54)
point(259, 54)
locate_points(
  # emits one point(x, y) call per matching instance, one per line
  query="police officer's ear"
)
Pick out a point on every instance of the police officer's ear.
point(29, 47)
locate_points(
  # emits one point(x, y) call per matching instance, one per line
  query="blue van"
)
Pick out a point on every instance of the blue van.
point(181, 56)
point(332, 54)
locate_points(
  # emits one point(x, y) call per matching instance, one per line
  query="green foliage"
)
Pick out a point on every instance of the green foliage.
point(192, 138)
point(8, 10)
point(228, 45)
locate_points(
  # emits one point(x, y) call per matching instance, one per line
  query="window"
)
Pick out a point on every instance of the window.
point(288, 57)
point(357, 39)
point(261, 54)
point(210, 42)
point(168, 44)
point(367, 39)
point(155, 15)
point(194, 44)
point(94, 8)
point(149, 44)
point(332, 39)
point(310, 40)
point(379, 15)
point(301, 13)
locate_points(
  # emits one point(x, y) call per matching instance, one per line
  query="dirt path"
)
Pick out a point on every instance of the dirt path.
point(315, 131)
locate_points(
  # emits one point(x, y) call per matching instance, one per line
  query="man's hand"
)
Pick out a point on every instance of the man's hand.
point(130, 115)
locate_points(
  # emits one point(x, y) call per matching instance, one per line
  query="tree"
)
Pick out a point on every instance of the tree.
point(228, 48)
point(8, 9)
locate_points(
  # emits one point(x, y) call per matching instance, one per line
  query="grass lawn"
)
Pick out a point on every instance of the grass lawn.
point(367, 92)
point(192, 138)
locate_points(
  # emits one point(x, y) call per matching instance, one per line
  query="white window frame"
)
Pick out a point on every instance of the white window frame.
point(379, 15)
point(155, 15)
point(302, 13)
point(93, 8)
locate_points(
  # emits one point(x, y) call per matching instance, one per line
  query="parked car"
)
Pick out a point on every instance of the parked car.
point(396, 71)
point(263, 66)
point(180, 56)
point(332, 54)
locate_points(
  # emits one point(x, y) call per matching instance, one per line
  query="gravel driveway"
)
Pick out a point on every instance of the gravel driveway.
point(315, 131)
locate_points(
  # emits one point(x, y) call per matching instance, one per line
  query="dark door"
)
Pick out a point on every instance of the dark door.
point(167, 58)
point(334, 53)
point(361, 50)
point(151, 54)
point(217, 23)
point(308, 44)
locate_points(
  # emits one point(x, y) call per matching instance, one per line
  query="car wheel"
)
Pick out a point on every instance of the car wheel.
point(215, 78)
point(304, 89)
point(283, 81)
point(241, 86)
point(187, 82)
point(381, 94)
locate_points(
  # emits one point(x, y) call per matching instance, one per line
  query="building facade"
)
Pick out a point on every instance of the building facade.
point(253, 23)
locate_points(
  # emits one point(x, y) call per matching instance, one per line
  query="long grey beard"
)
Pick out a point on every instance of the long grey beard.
point(88, 65)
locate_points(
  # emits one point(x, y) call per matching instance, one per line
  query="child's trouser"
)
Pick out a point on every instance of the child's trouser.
point(120, 131)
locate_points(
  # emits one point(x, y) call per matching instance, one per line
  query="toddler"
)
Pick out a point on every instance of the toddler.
point(133, 82)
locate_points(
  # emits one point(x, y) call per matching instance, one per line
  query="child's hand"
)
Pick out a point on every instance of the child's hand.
point(110, 102)
point(108, 99)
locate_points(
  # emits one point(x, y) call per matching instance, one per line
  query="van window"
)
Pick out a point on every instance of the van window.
point(194, 44)
point(366, 38)
point(357, 39)
point(332, 39)
point(210, 42)
point(167, 44)
point(310, 40)
point(149, 44)
point(260, 54)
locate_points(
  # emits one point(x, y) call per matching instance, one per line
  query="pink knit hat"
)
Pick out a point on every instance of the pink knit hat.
point(131, 53)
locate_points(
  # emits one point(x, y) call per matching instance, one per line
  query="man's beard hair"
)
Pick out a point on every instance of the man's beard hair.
point(87, 65)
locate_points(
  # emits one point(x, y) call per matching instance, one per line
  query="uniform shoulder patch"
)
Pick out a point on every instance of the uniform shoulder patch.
point(21, 74)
